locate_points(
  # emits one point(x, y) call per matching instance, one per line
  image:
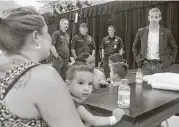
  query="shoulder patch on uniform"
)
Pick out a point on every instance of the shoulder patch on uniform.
point(105, 38)
point(90, 38)
point(55, 33)
point(140, 29)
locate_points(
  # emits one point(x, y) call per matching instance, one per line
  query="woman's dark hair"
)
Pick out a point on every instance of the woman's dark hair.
point(82, 57)
point(16, 24)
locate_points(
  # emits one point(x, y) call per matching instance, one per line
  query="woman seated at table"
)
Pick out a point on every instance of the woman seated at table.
point(31, 94)
point(99, 77)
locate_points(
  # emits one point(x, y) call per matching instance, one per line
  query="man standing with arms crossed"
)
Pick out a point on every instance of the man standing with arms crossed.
point(154, 47)
point(60, 48)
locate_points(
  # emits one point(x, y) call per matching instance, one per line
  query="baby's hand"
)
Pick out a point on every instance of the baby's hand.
point(118, 113)
point(103, 82)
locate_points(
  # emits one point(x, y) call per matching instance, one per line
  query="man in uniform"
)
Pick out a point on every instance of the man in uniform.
point(60, 48)
point(110, 45)
point(82, 42)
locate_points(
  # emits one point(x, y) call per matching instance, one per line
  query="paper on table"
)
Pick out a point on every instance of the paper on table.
point(167, 81)
point(165, 86)
point(162, 77)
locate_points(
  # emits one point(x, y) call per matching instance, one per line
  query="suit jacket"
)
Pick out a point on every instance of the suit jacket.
point(167, 46)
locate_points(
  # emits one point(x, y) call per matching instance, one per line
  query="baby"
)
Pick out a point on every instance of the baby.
point(80, 82)
point(118, 71)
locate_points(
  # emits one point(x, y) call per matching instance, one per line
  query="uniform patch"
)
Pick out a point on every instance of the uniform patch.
point(115, 46)
point(89, 39)
point(107, 42)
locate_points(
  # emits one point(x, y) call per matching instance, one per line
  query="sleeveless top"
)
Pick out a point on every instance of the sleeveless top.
point(7, 118)
point(78, 102)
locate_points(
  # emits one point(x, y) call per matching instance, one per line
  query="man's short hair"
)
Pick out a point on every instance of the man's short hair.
point(111, 26)
point(155, 10)
point(120, 68)
point(83, 25)
point(62, 20)
point(78, 67)
point(116, 57)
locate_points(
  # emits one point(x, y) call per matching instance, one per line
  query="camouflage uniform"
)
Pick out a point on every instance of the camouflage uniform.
point(82, 44)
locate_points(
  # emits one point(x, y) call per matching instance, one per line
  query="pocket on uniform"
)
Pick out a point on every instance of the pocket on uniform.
point(80, 43)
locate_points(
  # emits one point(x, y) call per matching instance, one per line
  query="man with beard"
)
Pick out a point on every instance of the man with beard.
point(82, 42)
point(110, 45)
point(154, 47)
point(60, 48)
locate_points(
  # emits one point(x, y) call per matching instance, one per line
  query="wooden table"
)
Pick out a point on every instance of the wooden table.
point(149, 107)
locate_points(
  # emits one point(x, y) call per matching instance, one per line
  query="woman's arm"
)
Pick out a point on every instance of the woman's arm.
point(53, 100)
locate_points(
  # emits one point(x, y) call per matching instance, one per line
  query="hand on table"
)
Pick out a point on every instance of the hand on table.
point(118, 114)
point(103, 82)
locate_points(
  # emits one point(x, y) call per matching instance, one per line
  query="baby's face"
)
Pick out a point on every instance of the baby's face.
point(82, 84)
point(90, 61)
point(112, 75)
point(110, 63)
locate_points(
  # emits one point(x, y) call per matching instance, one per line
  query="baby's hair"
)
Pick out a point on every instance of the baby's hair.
point(77, 67)
point(120, 68)
point(116, 57)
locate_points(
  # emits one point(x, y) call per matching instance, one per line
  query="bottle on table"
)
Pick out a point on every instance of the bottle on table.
point(124, 92)
point(139, 76)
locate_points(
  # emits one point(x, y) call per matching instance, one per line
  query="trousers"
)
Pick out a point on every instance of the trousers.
point(61, 65)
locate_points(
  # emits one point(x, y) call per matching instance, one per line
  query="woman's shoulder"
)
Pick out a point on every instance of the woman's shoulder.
point(44, 75)
point(45, 71)
point(45, 68)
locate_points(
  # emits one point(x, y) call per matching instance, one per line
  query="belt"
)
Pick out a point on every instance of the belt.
point(64, 57)
point(108, 54)
point(155, 61)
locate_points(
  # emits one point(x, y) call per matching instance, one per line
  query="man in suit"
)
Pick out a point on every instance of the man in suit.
point(154, 47)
